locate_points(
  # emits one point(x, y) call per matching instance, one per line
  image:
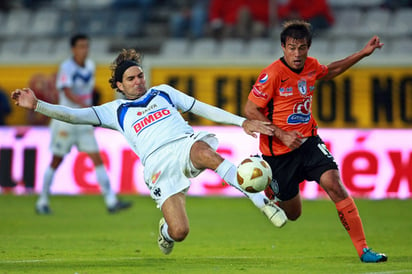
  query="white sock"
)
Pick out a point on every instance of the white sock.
point(47, 182)
point(227, 171)
point(165, 233)
point(104, 182)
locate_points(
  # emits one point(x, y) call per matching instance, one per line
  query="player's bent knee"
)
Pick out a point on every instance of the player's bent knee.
point(293, 216)
point(179, 233)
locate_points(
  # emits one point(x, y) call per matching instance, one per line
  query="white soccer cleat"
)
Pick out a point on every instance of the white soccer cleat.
point(275, 214)
point(165, 246)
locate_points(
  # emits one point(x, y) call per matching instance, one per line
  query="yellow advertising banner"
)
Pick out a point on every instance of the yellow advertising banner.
point(360, 98)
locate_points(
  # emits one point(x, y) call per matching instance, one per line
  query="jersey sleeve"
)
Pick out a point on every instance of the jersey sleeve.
point(181, 100)
point(107, 115)
point(263, 89)
point(322, 70)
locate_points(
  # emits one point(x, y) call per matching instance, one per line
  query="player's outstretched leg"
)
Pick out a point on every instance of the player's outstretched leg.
point(274, 213)
point(369, 256)
point(165, 246)
point(227, 171)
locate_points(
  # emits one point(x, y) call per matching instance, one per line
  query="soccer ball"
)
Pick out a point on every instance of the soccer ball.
point(254, 174)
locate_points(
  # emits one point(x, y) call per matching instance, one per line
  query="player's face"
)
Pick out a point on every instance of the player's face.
point(295, 52)
point(80, 51)
point(133, 84)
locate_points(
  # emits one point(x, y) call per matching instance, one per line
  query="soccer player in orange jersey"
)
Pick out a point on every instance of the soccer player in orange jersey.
point(283, 94)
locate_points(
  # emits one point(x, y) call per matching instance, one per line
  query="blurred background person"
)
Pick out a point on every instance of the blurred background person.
point(239, 18)
point(190, 18)
point(75, 83)
point(317, 12)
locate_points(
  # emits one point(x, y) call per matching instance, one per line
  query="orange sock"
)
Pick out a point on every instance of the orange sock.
point(349, 217)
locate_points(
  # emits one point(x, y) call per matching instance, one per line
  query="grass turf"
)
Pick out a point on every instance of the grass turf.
point(228, 235)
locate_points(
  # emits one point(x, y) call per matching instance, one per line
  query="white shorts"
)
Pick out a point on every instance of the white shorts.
point(65, 135)
point(167, 169)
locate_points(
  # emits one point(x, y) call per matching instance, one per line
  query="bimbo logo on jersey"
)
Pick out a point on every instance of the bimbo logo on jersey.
point(150, 119)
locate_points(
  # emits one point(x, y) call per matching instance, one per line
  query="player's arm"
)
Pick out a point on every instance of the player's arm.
point(73, 97)
point(218, 115)
point(25, 98)
point(338, 67)
point(291, 139)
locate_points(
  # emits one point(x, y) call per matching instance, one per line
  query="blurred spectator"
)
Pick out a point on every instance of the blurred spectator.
point(190, 19)
point(5, 108)
point(239, 18)
point(145, 8)
point(396, 4)
point(45, 89)
point(317, 12)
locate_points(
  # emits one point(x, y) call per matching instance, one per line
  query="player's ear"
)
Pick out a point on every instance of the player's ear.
point(119, 85)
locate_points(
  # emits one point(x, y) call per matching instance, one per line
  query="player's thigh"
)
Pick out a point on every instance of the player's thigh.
point(174, 212)
point(62, 138)
point(203, 156)
point(85, 139)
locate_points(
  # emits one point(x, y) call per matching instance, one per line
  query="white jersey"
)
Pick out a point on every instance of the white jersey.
point(79, 79)
point(150, 121)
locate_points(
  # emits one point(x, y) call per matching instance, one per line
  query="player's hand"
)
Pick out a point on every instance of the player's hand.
point(291, 139)
point(252, 127)
point(374, 43)
point(24, 98)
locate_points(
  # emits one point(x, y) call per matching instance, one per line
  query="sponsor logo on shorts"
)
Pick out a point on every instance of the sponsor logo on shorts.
point(150, 119)
point(155, 177)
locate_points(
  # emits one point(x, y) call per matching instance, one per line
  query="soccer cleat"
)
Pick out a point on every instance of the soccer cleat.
point(165, 246)
point(275, 214)
point(43, 210)
point(120, 205)
point(369, 256)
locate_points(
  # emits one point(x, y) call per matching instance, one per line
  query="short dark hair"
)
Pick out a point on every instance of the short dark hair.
point(77, 37)
point(296, 29)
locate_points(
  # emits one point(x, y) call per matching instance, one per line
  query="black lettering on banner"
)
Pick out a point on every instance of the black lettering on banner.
point(382, 98)
point(326, 108)
point(405, 101)
point(6, 158)
point(238, 97)
point(347, 101)
point(29, 170)
point(220, 85)
point(173, 81)
point(190, 89)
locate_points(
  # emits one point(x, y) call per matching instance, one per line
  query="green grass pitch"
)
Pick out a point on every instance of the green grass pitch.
point(228, 235)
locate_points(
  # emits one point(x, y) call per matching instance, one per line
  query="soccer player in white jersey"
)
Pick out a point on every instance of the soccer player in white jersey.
point(75, 83)
point(169, 149)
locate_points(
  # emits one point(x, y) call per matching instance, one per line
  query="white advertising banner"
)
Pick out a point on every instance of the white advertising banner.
point(374, 164)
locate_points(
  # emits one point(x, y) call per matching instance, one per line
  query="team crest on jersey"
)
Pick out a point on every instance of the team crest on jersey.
point(258, 93)
point(263, 78)
point(302, 86)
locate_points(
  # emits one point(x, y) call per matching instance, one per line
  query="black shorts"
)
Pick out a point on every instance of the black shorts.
point(308, 162)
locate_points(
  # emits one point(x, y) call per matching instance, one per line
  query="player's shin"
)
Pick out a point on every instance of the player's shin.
point(227, 171)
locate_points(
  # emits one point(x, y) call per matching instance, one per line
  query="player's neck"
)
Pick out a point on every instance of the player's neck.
point(297, 71)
